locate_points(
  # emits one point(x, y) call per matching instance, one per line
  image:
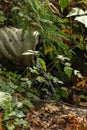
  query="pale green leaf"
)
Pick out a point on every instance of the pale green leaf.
point(31, 52)
point(16, 8)
point(31, 95)
point(40, 79)
point(10, 126)
point(68, 70)
point(27, 103)
point(19, 104)
point(21, 121)
point(82, 19)
point(19, 114)
point(24, 79)
point(76, 11)
point(77, 73)
point(62, 58)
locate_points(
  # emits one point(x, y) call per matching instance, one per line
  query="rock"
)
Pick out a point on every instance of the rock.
point(14, 42)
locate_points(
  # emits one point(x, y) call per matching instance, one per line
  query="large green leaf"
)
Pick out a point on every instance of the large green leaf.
point(68, 70)
point(41, 63)
point(64, 3)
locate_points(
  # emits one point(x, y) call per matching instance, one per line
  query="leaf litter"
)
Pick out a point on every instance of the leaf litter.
point(57, 116)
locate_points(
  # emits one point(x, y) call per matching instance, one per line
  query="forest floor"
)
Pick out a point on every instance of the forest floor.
point(57, 116)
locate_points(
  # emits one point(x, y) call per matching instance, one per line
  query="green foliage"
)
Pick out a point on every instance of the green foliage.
point(12, 110)
point(41, 64)
point(43, 80)
point(85, 1)
point(81, 15)
point(64, 4)
point(54, 62)
point(37, 15)
point(79, 39)
point(2, 18)
point(68, 71)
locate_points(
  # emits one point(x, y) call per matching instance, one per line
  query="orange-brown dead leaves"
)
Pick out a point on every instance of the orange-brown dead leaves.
point(55, 116)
